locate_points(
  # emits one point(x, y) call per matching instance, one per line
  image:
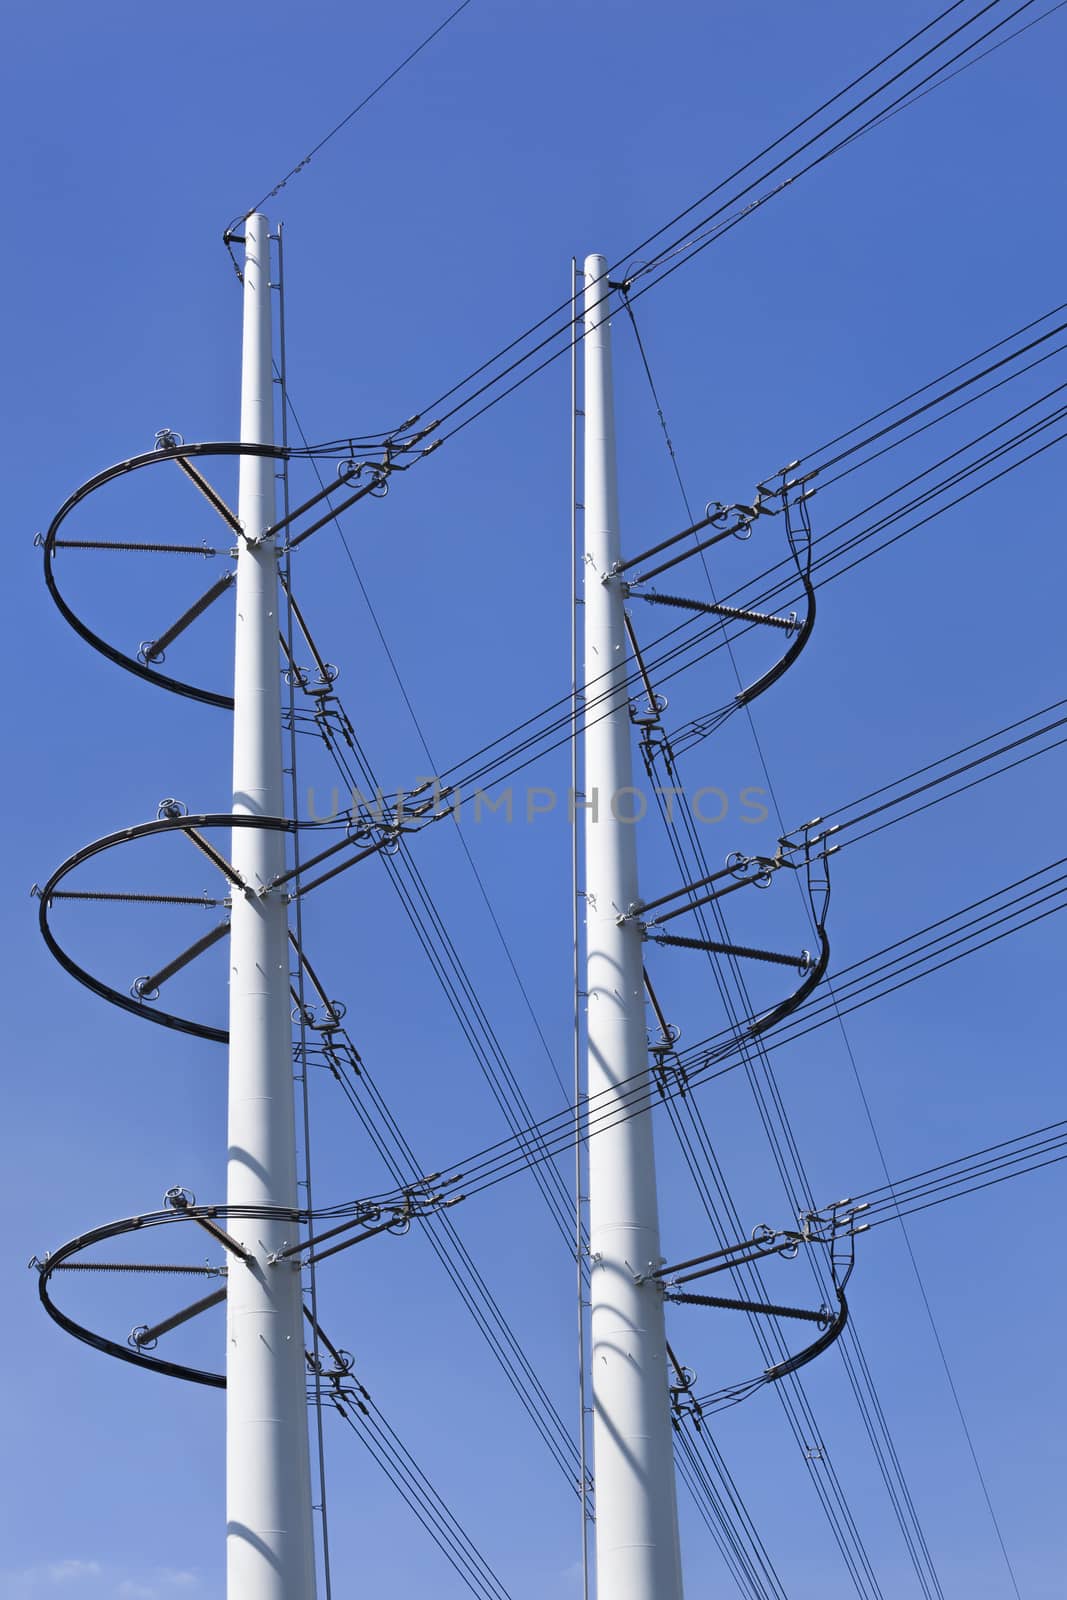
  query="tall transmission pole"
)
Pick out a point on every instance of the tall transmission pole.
point(637, 1550)
point(269, 1538)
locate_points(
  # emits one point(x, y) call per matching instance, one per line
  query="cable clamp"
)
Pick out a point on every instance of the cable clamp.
point(649, 717)
point(685, 1380)
point(651, 1273)
point(664, 1043)
point(333, 1013)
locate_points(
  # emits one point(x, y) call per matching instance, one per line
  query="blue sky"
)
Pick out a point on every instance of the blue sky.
point(434, 228)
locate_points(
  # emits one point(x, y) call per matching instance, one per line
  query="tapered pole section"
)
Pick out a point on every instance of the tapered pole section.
point(269, 1539)
point(636, 1512)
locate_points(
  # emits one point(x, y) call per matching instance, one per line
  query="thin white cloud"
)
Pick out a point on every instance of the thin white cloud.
point(163, 1581)
point(91, 1580)
point(49, 1575)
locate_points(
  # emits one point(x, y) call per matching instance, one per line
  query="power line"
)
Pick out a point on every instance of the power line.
point(298, 928)
point(710, 1184)
point(969, 1174)
point(951, 755)
point(1000, 914)
point(561, 333)
point(536, 1402)
point(689, 247)
point(775, 1121)
point(980, 355)
point(556, 717)
point(354, 1404)
point(356, 109)
point(1044, 893)
point(358, 1085)
point(782, 594)
point(934, 1329)
point(731, 220)
point(444, 959)
point(724, 1513)
point(687, 643)
point(480, 882)
point(872, 977)
point(429, 928)
point(351, 1073)
point(1021, 8)
point(771, 1106)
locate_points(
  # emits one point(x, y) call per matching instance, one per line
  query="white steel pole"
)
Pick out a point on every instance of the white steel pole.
point(269, 1538)
point(637, 1548)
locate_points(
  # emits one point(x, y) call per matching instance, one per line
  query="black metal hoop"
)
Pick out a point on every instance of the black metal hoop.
point(114, 1230)
point(358, 1213)
point(110, 841)
point(149, 458)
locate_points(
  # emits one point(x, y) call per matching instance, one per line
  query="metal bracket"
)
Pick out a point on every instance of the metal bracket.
point(179, 1199)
